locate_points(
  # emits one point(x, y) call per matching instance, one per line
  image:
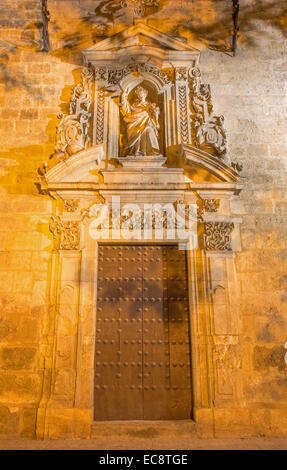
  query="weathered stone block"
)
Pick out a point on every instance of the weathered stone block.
point(23, 281)
point(28, 430)
point(6, 281)
point(82, 424)
point(19, 387)
point(18, 304)
point(204, 419)
point(15, 358)
point(9, 422)
point(235, 422)
point(59, 424)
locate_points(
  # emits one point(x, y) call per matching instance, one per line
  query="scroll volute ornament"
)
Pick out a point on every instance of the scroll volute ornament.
point(73, 129)
point(210, 134)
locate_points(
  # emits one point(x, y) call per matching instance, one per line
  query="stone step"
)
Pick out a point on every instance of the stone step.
point(143, 429)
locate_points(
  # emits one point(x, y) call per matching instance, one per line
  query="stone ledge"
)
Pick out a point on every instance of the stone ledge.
point(146, 444)
point(143, 429)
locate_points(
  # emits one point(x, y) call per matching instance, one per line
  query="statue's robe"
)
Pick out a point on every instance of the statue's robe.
point(142, 134)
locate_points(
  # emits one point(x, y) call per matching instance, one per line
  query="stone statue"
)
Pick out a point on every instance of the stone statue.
point(142, 123)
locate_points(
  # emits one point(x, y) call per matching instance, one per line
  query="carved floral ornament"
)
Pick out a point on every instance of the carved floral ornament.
point(217, 236)
point(209, 130)
point(211, 205)
point(73, 130)
point(71, 205)
point(66, 233)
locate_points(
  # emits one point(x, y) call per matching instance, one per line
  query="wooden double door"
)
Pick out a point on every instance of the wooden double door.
point(142, 355)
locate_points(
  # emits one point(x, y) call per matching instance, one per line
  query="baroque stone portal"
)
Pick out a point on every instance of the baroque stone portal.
point(148, 325)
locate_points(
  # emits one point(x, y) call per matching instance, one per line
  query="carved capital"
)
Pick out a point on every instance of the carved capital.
point(101, 74)
point(181, 74)
point(66, 233)
point(217, 236)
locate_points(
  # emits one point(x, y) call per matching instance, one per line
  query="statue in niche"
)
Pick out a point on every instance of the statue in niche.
point(142, 124)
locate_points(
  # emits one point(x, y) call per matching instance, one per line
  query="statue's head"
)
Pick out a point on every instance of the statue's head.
point(141, 92)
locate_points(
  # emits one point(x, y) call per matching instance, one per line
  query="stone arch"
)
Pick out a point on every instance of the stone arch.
point(158, 82)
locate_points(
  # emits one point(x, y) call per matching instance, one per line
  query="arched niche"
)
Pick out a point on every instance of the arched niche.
point(160, 93)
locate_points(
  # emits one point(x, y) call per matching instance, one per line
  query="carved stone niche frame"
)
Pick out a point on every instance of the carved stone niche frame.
point(82, 181)
point(156, 96)
point(131, 57)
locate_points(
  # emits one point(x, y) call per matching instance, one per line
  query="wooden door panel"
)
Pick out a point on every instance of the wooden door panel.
point(142, 358)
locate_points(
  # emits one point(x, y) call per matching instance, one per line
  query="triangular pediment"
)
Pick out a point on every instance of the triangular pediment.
point(141, 35)
point(139, 40)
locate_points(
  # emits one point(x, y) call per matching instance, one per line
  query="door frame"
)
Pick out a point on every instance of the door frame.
point(68, 390)
point(199, 319)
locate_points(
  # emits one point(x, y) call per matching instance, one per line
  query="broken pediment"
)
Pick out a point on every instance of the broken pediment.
point(82, 167)
point(201, 166)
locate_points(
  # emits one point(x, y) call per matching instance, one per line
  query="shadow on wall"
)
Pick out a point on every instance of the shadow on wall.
point(19, 165)
point(10, 78)
point(208, 23)
point(214, 27)
point(205, 22)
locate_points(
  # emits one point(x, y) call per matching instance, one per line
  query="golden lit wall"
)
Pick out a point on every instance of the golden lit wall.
point(249, 90)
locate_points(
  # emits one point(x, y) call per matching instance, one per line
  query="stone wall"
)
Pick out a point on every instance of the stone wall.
point(249, 90)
